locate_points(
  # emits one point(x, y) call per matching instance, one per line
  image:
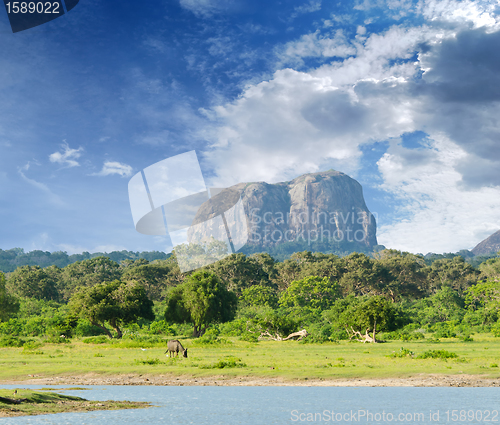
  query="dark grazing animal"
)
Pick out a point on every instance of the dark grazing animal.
point(174, 346)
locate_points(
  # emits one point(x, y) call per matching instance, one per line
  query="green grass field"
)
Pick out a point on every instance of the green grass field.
point(285, 359)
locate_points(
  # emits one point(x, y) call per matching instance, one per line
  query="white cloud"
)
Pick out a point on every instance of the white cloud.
point(110, 168)
point(480, 14)
point(318, 45)
point(300, 122)
point(436, 215)
point(68, 157)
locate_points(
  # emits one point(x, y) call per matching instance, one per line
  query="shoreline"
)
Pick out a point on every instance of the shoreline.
point(256, 381)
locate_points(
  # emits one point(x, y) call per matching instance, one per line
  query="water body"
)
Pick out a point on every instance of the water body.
point(282, 405)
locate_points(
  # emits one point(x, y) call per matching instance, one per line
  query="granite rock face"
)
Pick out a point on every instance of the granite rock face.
point(490, 245)
point(320, 207)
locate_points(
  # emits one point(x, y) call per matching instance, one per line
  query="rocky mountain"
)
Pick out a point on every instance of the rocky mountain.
point(490, 245)
point(325, 208)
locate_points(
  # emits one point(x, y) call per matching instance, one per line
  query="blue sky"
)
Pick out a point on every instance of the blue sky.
point(401, 95)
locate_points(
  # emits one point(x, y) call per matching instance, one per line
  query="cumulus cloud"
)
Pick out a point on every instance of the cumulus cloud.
point(461, 88)
point(435, 214)
point(109, 168)
point(440, 78)
point(68, 157)
point(302, 122)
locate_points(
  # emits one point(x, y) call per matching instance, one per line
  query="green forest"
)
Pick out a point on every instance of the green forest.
point(392, 295)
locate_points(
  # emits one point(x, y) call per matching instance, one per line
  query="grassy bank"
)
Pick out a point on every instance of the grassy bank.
point(284, 359)
point(22, 402)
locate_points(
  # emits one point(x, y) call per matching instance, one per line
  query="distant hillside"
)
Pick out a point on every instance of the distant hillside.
point(489, 246)
point(13, 258)
point(319, 212)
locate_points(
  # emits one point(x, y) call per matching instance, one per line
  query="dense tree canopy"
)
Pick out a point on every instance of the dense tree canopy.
point(454, 273)
point(8, 304)
point(323, 292)
point(33, 282)
point(364, 315)
point(88, 273)
point(490, 269)
point(153, 277)
point(239, 272)
point(259, 296)
point(313, 292)
point(16, 257)
point(202, 299)
point(115, 303)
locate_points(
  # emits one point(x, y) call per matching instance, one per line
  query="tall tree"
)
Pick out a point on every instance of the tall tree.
point(115, 303)
point(490, 269)
point(484, 299)
point(154, 277)
point(238, 272)
point(403, 274)
point(88, 273)
point(361, 316)
point(360, 275)
point(202, 299)
point(8, 304)
point(454, 273)
point(33, 282)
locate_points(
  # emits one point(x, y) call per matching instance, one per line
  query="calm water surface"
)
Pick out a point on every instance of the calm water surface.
point(282, 405)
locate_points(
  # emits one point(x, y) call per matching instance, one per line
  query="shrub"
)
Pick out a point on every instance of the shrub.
point(10, 341)
point(466, 338)
point(495, 329)
point(444, 330)
point(437, 354)
point(403, 352)
point(13, 327)
point(318, 334)
point(234, 328)
point(339, 335)
point(35, 326)
point(403, 335)
point(32, 345)
point(85, 328)
point(249, 337)
point(162, 328)
point(210, 339)
point(57, 339)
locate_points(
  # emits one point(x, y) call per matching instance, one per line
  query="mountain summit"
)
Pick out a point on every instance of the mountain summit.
point(490, 245)
point(322, 211)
